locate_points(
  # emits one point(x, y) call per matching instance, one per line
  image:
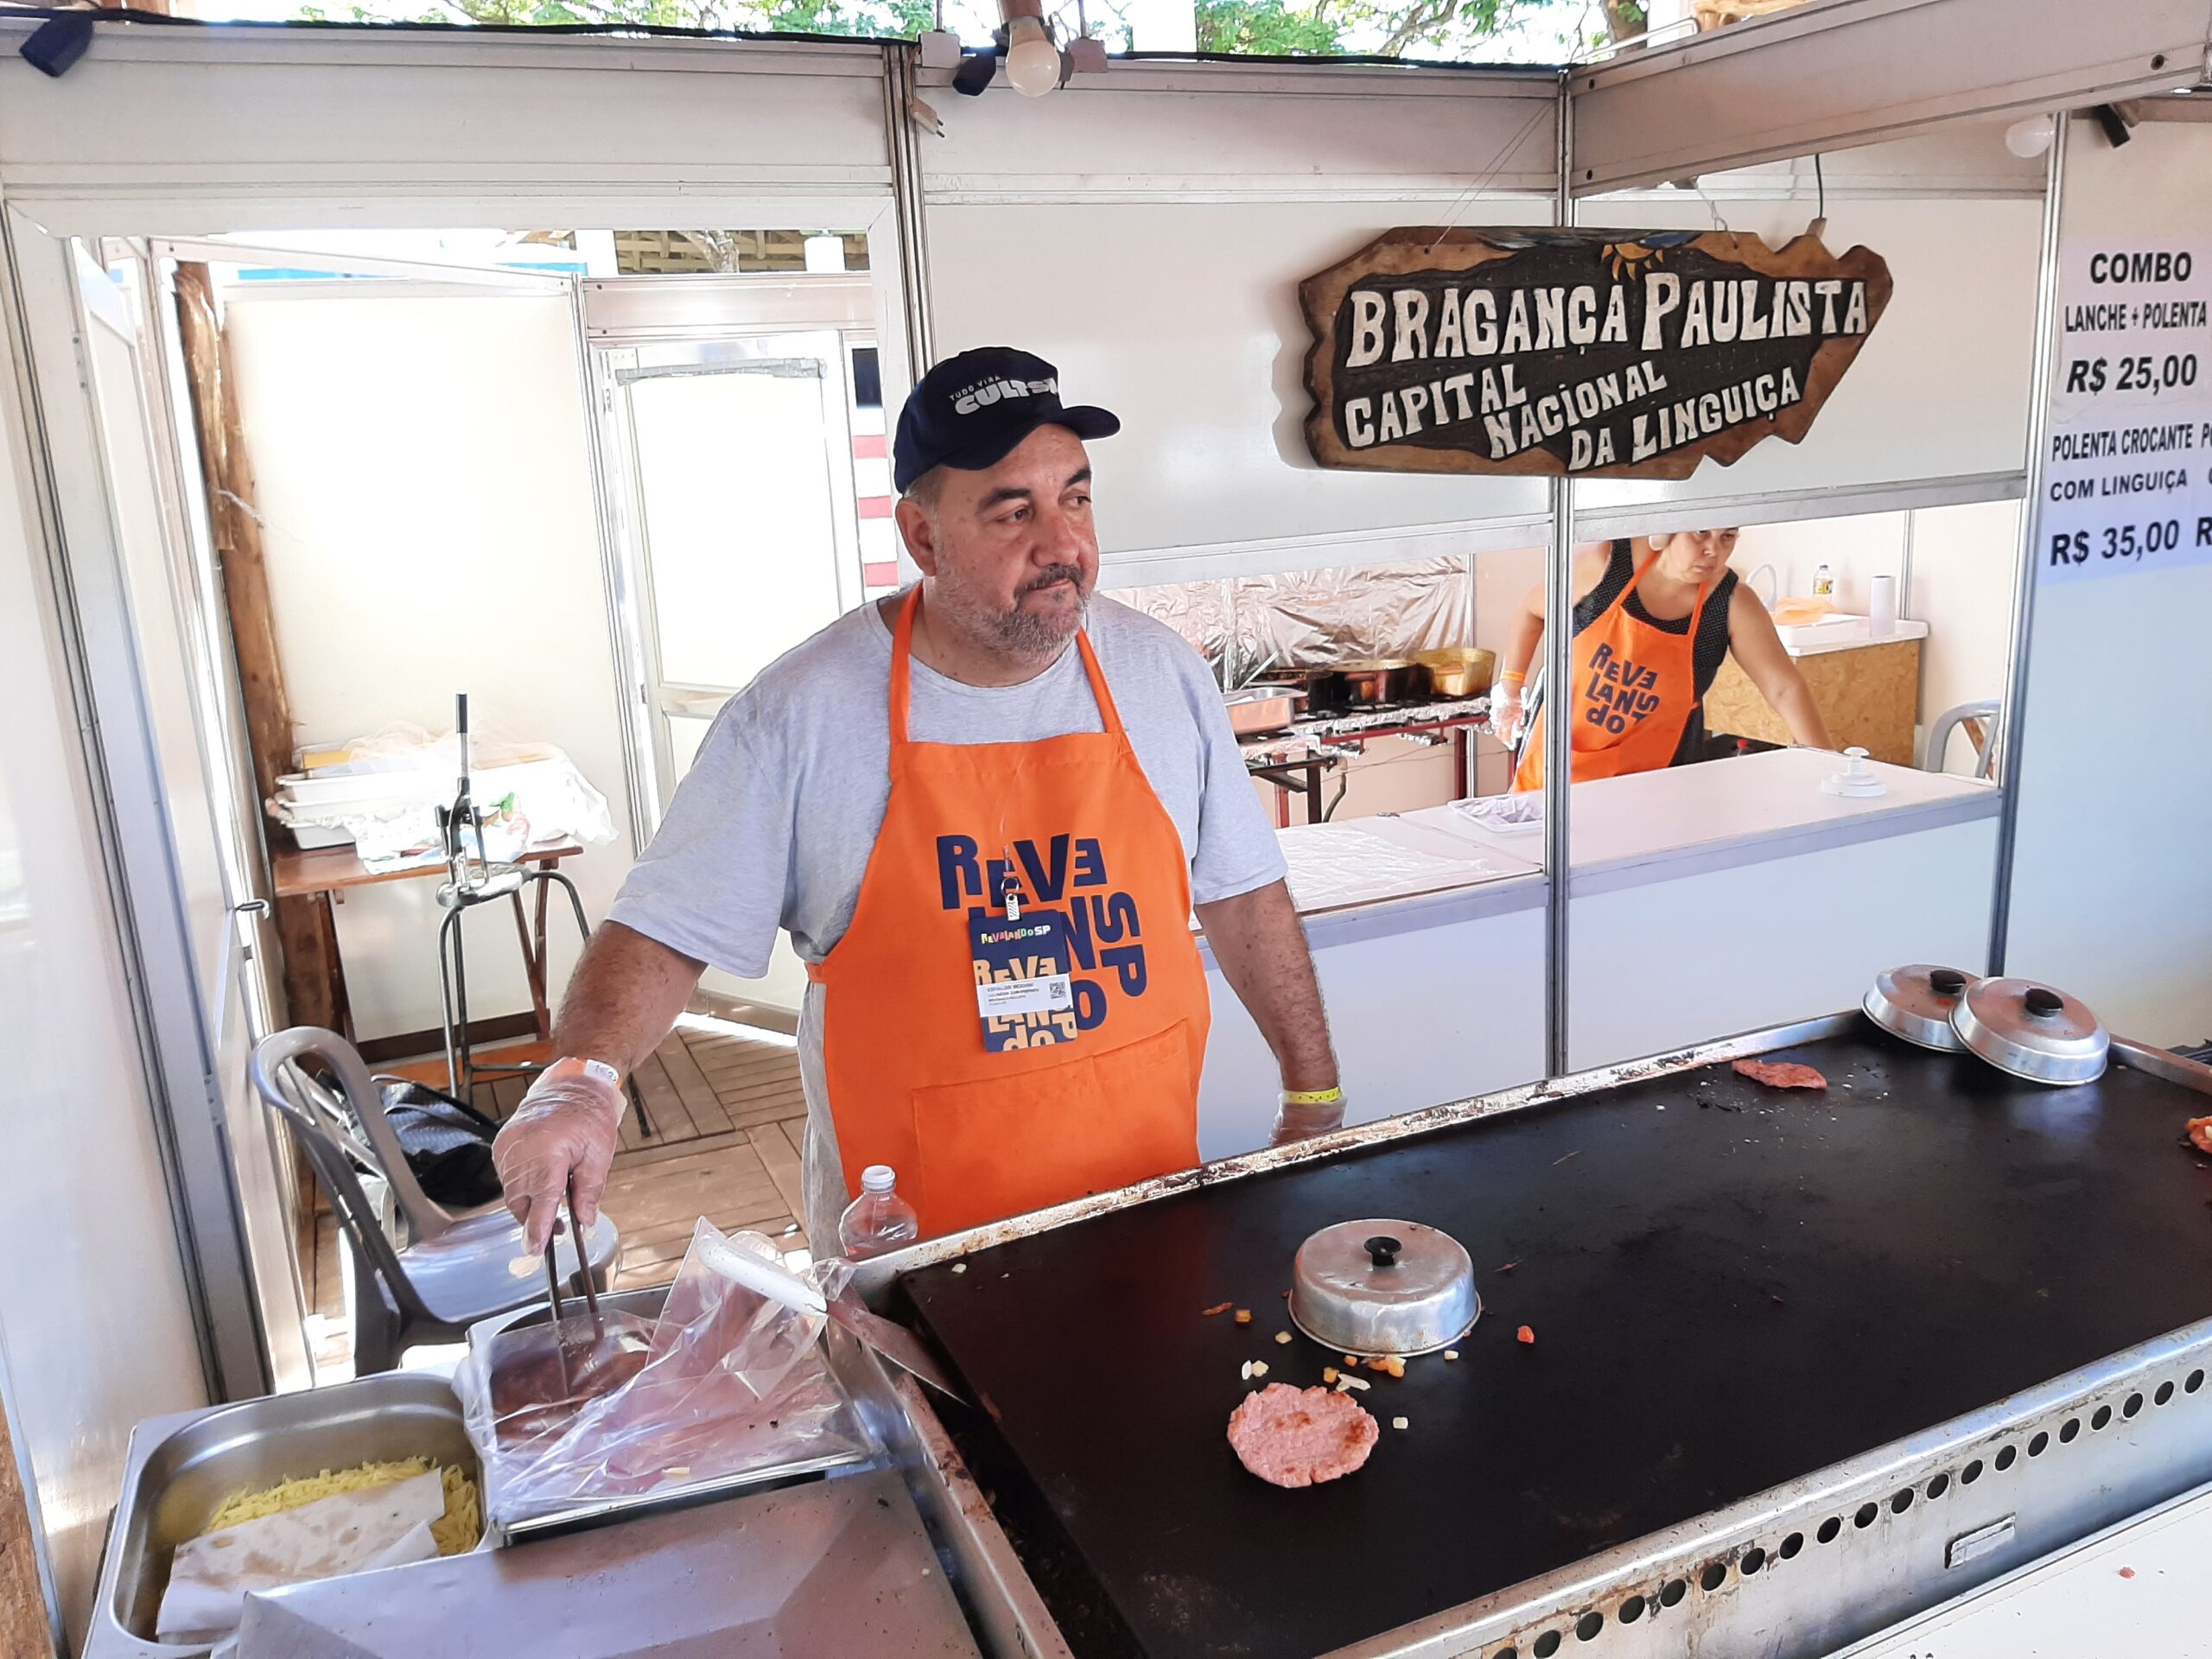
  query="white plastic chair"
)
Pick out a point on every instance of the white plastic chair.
point(452, 1269)
point(1939, 736)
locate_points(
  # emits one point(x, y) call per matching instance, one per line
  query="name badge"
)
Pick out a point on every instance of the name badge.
point(1021, 967)
point(1006, 996)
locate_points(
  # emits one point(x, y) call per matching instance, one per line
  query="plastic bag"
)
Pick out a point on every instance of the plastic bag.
point(725, 1382)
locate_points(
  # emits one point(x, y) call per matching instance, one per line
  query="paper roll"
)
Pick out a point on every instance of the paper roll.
point(1881, 606)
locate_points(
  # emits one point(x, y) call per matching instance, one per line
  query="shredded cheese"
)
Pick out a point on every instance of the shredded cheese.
point(456, 1531)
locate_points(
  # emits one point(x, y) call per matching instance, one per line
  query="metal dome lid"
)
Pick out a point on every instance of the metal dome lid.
point(1376, 1286)
point(2032, 1031)
point(1915, 1003)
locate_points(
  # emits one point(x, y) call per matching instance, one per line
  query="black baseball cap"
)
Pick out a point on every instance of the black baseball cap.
point(971, 410)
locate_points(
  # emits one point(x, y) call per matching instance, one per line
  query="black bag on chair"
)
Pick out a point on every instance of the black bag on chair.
point(448, 1143)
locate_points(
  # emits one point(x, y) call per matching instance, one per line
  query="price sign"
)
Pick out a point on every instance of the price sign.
point(2127, 481)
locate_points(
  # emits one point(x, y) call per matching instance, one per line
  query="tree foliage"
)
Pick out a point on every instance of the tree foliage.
point(1259, 28)
point(865, 18)
point(1267, 28)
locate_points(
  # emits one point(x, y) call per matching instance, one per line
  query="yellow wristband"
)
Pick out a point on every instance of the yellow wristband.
point(1511, 678)
point(1312, 1097)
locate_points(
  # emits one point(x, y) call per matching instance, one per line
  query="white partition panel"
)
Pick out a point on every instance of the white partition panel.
point(1940, 390)
point(1226, 131)
point(96, 1329)
point(183, 131)
point(1430, 1001)
point(1669, 964)
point(1849, 72)
point(2111, 880)
point(1148, 231)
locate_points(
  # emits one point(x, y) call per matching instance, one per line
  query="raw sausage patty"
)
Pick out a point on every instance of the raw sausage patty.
point(1782, 1074)
point(1294, 1437)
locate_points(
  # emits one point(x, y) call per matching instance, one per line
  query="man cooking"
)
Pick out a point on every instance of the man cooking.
point(984, 809)
point(1653, 620)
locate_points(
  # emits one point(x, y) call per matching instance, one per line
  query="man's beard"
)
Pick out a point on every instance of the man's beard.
point(1023, 632)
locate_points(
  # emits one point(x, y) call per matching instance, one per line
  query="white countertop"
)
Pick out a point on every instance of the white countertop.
point(1657, 825)
point(1843, 632)
point(1424, 868)
point(1365, 861)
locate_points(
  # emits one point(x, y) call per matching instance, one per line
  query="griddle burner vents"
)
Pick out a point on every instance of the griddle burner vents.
point(2011, 1488)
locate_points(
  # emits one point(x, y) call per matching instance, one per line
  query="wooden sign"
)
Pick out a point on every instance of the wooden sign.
point(1601, 353)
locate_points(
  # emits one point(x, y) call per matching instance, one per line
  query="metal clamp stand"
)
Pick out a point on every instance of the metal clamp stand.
point(475, 880)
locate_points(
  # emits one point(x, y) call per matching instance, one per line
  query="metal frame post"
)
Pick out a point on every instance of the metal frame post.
point(908, 201)
point(1559, 730)
point(2012, 718)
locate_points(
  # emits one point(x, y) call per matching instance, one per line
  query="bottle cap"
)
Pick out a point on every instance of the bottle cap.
point(879, 1177)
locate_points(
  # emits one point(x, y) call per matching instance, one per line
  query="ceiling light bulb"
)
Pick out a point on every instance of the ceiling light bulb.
point(1033, 62)
point(2030, 138)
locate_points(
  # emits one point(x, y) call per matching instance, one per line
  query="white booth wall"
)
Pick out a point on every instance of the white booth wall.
point(1940, 389)
point(175, 132)
point(179, 132)
point(430, 529)
point(1146, 230)
point(2112, 877)
point(95, 1325)
point(1162, 276)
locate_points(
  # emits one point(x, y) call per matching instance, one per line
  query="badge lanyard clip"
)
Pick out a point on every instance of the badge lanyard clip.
point(1010, 890)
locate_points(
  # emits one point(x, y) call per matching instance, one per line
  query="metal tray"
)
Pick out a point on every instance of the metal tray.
point(180, 1467)
point(646, 1303)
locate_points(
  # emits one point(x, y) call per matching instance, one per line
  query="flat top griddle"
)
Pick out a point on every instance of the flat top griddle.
point(1729, 1287)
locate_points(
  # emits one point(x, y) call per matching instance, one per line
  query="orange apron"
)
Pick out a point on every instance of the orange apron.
point(1095, 1097)
point(1635, 690)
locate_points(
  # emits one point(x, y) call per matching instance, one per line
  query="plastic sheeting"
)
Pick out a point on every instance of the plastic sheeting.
point(1314, 618)
point(724, 1382)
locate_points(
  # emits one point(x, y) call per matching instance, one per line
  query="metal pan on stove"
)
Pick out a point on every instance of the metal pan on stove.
point(1915, 1003)
point(1384, 1286)
point(2031, 1031)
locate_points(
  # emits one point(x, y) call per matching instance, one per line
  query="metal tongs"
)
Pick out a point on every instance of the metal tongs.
point(553, 1288)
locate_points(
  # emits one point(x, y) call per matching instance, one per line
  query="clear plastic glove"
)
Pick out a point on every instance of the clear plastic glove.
point(565, 1129)
point(1296, 1121)
point(1505, 716)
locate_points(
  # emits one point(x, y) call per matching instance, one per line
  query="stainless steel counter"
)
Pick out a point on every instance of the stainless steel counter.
point(1975, 1487)
point(1782, 1572)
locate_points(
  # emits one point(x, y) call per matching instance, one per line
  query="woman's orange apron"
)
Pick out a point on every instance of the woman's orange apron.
point(1103, 1090)
point(1635, 690)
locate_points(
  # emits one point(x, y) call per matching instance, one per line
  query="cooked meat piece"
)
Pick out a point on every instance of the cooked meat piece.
point(1781, 1074)
point(1294, 1437)
point(2200, 1133)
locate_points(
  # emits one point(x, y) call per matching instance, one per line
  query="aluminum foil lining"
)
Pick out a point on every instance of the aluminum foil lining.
point(1199, 611)
point(1248, 627)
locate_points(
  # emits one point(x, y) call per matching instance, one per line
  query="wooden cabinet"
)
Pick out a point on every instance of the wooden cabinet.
point(1869, 694)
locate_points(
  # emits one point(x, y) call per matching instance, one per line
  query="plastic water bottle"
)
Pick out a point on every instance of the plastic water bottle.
point(879, 1220)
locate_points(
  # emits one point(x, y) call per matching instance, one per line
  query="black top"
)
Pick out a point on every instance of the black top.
point(1726, 1293)
point(1709, 651)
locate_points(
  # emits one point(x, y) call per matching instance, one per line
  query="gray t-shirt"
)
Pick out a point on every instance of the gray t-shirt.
point(773, 825)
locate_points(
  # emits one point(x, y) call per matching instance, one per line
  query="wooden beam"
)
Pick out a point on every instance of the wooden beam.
point(313, 983)
point(304, 927)
point(26, 1625)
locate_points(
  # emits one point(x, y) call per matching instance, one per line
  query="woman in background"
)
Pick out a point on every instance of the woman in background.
point(1654, 619)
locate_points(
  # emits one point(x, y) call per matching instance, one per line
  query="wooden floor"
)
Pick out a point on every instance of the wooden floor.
point(727, 1117)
